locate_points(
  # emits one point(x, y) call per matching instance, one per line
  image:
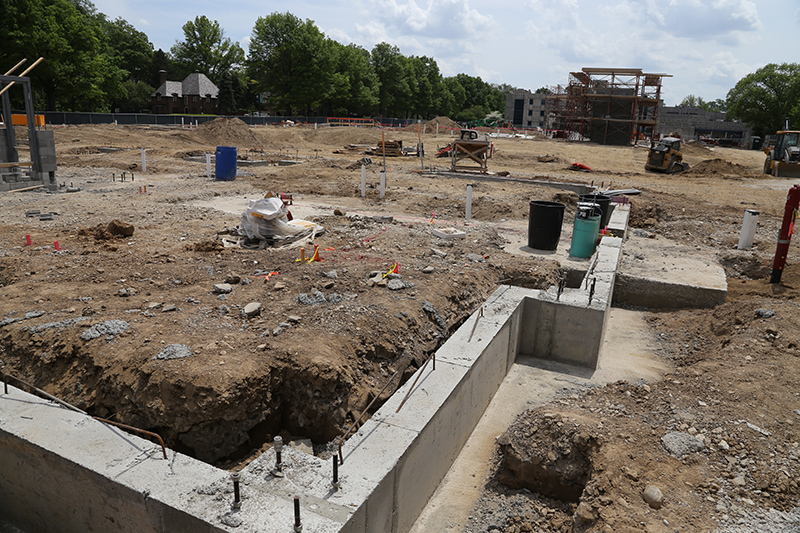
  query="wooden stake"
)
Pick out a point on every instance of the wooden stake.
point(15, 67)
point(30, 68)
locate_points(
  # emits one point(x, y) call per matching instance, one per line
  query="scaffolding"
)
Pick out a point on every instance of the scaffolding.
point(606, 105)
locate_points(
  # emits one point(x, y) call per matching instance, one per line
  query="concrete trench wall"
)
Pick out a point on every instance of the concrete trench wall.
point(61, 471)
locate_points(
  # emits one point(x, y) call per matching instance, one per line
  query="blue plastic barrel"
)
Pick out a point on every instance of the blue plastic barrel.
point(225, 168)
point(584, 236)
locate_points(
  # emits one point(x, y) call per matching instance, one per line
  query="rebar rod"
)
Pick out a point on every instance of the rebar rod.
point(355, 423)
point(72, 407)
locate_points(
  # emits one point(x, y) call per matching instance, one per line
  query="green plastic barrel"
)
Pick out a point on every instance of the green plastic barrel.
point(584, 236)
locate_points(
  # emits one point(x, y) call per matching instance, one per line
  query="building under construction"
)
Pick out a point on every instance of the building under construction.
point(606, 105)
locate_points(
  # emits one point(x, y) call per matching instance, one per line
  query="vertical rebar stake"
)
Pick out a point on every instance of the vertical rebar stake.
point(5, 383)
point(278, 462)
point(591, 290)
point(237, 501)
point(297, 525)
point(335, 472)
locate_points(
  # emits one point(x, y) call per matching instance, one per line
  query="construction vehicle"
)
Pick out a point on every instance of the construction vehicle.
point(666, 156)
point(470, 149)
point(783, 158)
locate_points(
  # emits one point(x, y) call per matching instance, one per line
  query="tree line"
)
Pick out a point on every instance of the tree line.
point(93, 63)
point(765, 99)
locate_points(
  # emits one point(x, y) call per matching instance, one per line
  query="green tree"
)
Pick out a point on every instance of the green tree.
point(692, 101)
point(226, 96)
point(543, 90)
point(767, 97)
point(427, 87)
point(452, 98)
point(717, 105)
point(290, 58)
point(130, 49)
point(480, 99)
point(77, 72)
point(393, 87)
point(135, 99)
point(354, 85)
point(206, 49)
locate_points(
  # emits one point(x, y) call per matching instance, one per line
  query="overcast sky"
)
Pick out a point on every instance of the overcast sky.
point(706, 45)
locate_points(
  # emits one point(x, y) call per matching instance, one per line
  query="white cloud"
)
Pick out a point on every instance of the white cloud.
point(453, 19)
point(719, 20)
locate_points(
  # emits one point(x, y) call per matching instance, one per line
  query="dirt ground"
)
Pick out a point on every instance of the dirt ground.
point(103, 322)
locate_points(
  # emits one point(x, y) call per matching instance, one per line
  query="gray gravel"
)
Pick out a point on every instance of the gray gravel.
point(743, 520)
point(174, 351)
point(109, 328)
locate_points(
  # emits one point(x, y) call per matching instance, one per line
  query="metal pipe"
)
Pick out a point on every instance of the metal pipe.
point(47, 396)
point(62, 403)
point(355, 423)
point(142, 431)
point(297, 525)
point(237, 501)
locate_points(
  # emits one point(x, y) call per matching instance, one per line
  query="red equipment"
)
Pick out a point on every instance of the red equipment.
point(785, 237)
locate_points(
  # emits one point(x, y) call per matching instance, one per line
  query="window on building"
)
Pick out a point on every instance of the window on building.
point(530, 112)
point(531, 101)
point(194, 99)
point(541, 113)
point(174, 97)
point(208, 99)
point(529, 123)
point(158, 98)
point(543, 101)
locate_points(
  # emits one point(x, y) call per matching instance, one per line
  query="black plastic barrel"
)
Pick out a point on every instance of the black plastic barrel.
point(605, 206)
point(544, 224)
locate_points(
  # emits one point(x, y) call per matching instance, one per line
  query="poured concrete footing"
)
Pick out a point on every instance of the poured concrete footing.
point(391, 466)
point(98, 478)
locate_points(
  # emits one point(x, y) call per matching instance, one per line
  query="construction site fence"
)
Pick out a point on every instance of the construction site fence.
point(55, 118)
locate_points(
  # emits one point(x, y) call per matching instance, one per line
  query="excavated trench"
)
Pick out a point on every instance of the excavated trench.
point(299, 386)
point(315, 402)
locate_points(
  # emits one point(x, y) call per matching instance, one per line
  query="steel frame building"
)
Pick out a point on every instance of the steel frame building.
point(607, 105)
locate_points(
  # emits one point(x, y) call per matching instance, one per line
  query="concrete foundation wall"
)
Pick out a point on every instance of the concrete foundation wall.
point(98, 478)
point(43, 489)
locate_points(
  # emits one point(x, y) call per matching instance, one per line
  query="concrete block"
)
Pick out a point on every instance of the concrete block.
point(662, 294)
point(449, 233)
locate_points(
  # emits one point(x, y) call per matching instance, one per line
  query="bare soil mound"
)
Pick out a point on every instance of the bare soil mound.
point(719, 166)
point(695, 148)
point(227, 132)
point(443, 123)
